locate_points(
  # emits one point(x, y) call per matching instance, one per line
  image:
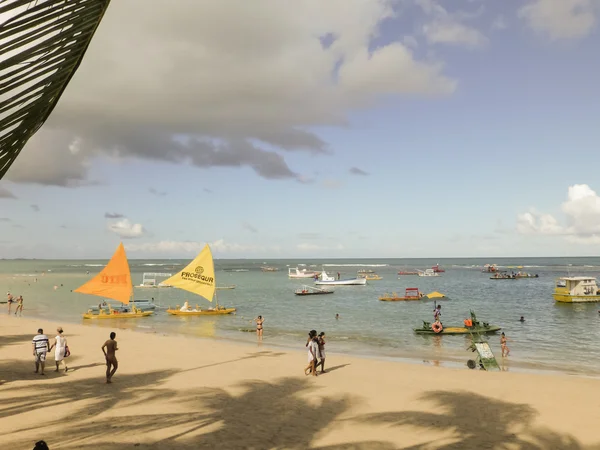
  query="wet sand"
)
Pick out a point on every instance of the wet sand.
point(173, 392)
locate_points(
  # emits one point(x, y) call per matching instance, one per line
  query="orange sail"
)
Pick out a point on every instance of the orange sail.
point(114, 281)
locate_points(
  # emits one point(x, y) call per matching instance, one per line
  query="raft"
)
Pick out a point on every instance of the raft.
point(472, 326)
point(459, 330)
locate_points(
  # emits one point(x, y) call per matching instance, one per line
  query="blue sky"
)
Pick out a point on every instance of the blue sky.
point(494, 155)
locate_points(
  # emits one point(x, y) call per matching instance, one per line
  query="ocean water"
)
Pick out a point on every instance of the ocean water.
point(554, 337)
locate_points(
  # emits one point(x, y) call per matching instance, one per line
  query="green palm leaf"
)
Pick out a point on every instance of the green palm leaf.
point(41, 46)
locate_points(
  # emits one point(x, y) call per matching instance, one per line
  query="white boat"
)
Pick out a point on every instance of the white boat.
point(294, 272)
point(149, 280)
point(428, 273)
point(325, 279)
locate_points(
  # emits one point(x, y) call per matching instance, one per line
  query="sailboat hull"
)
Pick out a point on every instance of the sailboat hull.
point(204, 312)
point(118, 315)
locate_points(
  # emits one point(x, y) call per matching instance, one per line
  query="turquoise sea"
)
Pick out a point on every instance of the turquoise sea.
point(554, 337)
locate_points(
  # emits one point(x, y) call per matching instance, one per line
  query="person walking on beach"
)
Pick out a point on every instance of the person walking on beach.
point(313, 349)
point(109, 348)
point(503, 344)
point(321, 344)
point(19, 306)
point(40, 347)
point(259, 326)
point(9, 300)
point(60, 342)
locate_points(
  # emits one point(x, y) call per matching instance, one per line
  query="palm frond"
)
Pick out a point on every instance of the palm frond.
point(41, 46)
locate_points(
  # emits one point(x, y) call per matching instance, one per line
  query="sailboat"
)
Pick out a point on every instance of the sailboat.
point(198, 277)
point(114, 282)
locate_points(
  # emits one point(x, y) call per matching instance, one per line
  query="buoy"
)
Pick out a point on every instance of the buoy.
point(437, 327)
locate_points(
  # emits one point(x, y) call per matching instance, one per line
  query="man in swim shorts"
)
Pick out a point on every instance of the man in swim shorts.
point(40, 346)
point(109, 348)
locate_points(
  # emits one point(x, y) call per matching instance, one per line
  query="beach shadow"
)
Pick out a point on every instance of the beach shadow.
point(477, 422)
point(250, 356)
point(86, 366)
point(16, 339)
point(331, 369)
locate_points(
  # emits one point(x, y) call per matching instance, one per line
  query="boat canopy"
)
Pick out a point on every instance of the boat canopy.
point(436, 294)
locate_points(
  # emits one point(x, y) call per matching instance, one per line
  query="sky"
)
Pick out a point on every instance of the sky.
point(337, 129)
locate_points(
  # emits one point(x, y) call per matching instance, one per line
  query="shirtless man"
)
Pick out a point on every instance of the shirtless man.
point(109, 354)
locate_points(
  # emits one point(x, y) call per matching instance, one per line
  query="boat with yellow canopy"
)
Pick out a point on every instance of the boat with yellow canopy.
point(198, 277)
point(113, 282)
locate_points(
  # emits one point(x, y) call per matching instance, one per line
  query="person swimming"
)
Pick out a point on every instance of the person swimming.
point(522, 319)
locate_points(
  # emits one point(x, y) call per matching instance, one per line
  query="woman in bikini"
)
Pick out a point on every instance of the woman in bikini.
point(259, 326)
point(503, 344)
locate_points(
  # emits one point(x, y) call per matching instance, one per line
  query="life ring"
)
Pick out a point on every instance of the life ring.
point(437, 327)
point(468, 323)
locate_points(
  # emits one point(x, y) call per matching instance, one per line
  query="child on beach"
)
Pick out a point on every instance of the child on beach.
point(503, 341)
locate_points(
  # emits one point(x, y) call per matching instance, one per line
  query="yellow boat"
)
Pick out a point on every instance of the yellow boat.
point(198, 277)
point(219, 310)
point(576, 290)
point(114, 282)
point(409, 294)
point(116, 314)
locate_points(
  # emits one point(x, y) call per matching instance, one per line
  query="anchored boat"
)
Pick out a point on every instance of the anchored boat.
point(428, 273)
point(294, 272)
point(149, 280)
point(471, 325)
point(409, 294)
point(198, 277)
point(325, 279)
point(113, 282)
point(576, 290)
point(310, 290)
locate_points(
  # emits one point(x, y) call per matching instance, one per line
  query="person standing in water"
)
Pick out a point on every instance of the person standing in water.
point(19, 305)
point(9, 300)
point(503, 344)
point(437, 313)
point(259, 326)
point(111, 358)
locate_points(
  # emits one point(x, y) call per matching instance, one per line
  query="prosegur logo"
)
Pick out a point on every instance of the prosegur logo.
point(114, 279)
point(197, 276)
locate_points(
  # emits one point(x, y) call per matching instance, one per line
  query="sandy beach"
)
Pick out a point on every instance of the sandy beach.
point(174, 392)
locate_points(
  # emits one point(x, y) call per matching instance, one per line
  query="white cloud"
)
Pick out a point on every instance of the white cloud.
point(582, 218)
point(441, 32)
point(5, 193)
point(499, 23)
point(449, 28)
point(127, 230)
point(561, 19)
point(228, 81)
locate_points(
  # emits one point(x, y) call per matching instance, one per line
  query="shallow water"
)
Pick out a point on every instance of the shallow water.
point(554, 336)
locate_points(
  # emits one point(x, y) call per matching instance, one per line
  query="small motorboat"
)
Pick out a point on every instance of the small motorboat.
point(428, 273)
point(325, 279)
point(370, 276)
point(408, 272)
point(309, 290)
point(438, 269)
point(409, 294)
point(470, 326)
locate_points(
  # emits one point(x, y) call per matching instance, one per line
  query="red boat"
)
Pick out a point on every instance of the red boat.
point(408, 272)
point(438, 269)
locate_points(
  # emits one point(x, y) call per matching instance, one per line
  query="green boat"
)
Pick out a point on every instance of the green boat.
point(474, 327)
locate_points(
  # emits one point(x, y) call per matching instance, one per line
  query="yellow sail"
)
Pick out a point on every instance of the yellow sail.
point(114, 281)
point(198, 277)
